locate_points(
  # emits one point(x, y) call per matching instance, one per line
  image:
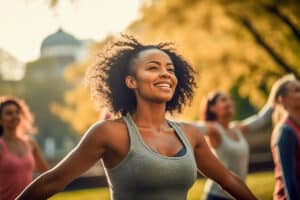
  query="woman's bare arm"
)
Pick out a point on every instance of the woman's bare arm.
point(211, 167)
point(40, 162)
point(264, 117)
point(257, 122)
point(82, 157)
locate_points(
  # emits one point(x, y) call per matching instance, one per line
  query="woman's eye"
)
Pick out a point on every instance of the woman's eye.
point(152, 68)
point(171, 70)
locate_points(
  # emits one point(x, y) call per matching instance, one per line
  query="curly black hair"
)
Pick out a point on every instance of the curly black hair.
point(211, 100)
point(106, 77)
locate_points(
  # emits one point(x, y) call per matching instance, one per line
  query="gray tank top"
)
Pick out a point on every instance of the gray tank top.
point(234, 154)
point(147, 175)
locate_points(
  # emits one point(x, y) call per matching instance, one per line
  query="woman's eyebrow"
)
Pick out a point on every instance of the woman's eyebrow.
point(158, 63)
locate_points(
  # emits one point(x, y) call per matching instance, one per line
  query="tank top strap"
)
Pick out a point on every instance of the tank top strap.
point(294, 126)
point(3, 145)
point(238, 132)
point(222, 131)
point(180, 133)
point(28, 145)
point(132, 131)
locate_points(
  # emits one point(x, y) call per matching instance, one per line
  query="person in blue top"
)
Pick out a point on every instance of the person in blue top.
point(145, 155)
point(285, 141)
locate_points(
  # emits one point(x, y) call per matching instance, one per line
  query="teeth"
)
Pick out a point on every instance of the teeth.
point(163, 85)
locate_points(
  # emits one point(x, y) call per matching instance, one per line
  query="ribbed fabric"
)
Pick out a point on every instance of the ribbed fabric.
point(15, 172)
point(234, 155)
point(146, 175)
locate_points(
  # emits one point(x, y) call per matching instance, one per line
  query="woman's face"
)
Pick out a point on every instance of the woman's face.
point(154, 76)
point(292, 98)
point(10, 116)
point(224, 106)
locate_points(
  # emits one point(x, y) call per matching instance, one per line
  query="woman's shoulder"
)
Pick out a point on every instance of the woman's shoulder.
point(107, 128)
point(283, 128)
point(193, 134)
point(108, 125)
point(286, 129)
point(1, 146)
point(188, 127)
point(202, 127)
point(281, 132)
point(190, 130)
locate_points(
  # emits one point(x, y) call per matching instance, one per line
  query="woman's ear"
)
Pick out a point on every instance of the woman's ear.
point(280, 100)
point(130, 82)
point(213, 108)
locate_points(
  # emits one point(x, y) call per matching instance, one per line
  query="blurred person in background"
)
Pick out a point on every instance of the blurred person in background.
point(285, 140)
point(226, 139)
point(20, 156)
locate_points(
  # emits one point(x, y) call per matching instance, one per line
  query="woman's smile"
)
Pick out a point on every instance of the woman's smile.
point(154, 76)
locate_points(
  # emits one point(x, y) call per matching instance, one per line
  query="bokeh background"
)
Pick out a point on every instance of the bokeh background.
point(239, 47)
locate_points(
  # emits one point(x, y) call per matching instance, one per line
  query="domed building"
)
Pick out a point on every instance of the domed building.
point(61, 44)
point(45, 85)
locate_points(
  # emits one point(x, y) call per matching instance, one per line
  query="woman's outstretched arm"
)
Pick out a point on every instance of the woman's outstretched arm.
point(257, 122)
point(82, 157)
point(264, 117)
point(41, 163)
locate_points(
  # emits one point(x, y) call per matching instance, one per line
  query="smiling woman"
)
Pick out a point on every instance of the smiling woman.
point(107, 77)
point(19, 155)
point(145, 155)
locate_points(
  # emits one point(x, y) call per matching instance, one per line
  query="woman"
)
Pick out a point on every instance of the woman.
point(285, 141)
point(227, 141)
point(145, 156)
point(19, 155)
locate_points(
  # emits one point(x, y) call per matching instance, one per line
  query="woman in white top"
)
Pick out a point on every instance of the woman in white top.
point(226, 140)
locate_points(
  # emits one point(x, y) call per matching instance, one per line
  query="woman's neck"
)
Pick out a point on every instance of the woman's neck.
point(224, 121)
point(147, 115)
point(295, 116)
point(10, 134)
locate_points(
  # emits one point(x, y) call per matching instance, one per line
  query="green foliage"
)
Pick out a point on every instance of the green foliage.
point(240, 47)
point(43, 86)
point(244, 43)
point(77, 109)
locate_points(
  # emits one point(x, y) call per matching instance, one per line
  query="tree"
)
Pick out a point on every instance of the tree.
point(240, 47)
point(228, 42)
point(78, 109)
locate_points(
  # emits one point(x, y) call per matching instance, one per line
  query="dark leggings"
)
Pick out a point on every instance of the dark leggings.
point(214, 197)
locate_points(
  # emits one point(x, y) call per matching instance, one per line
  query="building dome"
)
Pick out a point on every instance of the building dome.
point(61, 41)
point(59, 38)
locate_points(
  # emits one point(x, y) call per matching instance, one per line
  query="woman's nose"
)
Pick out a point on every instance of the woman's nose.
point(164, 73)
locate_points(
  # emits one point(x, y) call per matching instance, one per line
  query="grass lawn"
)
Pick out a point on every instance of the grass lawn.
point(261, 184)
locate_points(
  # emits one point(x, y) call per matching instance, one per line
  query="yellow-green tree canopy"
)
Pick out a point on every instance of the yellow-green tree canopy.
point(78, 108)
point(245, 43)
point(241, 45)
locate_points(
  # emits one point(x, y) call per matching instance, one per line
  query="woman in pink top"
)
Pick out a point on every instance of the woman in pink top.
point(19, 155)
